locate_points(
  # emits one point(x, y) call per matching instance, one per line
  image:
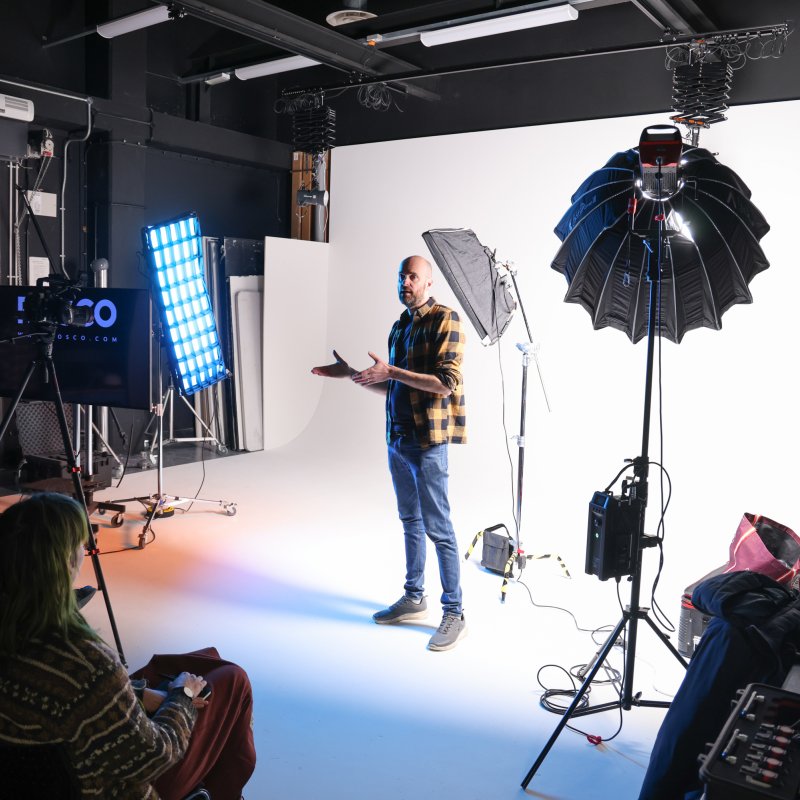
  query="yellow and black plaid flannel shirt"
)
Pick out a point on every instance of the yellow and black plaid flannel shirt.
point(436, 347)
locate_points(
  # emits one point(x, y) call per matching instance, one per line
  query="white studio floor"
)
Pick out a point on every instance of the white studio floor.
point(346, 709)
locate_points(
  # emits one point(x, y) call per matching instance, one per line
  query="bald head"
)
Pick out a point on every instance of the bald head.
point(419, 263)
point(414, 281)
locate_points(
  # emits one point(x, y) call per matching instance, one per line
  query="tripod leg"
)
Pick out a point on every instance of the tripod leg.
point(15, 402)
point(81, 497)
point(568, 714)
point(666, 641)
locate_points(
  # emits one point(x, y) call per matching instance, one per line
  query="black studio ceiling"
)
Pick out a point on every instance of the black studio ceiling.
point(386, 84)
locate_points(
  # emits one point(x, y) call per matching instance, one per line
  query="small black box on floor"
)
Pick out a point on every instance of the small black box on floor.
point(497, 549)
point(613, 527)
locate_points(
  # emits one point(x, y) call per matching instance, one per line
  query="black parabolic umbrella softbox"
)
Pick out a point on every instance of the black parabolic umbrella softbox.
point(470, 269)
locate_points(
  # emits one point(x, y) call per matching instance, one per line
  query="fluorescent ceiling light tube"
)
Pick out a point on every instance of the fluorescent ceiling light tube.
point(506, 24)
point(133, 22)
point(223, 77)
point(273, 67)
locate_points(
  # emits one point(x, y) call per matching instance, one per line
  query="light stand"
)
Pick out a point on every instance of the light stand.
point(474, 276)
point(529, 351)
point(637, 489)
point(161, 505)
point(187, 332)
point(44, 359)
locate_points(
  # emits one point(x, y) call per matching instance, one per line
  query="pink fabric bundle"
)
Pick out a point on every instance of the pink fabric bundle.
point(765, 546)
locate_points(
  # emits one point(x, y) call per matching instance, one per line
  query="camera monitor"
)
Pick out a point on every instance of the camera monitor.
point(104, 363)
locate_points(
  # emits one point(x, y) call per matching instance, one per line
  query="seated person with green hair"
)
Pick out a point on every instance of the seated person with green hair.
point(61, 684)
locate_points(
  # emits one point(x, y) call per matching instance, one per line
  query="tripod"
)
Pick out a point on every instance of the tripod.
point(161, 504)
point(633, 613)
point(44, 338)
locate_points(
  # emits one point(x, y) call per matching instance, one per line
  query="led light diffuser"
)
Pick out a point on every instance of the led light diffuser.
point(274, 67)
point(133, 22)
point(174, 253)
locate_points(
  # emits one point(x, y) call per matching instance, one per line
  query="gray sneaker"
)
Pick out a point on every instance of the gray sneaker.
point(453, 628)
point(404, 610)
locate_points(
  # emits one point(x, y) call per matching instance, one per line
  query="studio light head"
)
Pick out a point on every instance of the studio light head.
point(659, 162)
point(174, 253)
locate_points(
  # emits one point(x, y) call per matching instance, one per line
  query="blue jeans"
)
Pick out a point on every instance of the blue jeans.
point(419, 475)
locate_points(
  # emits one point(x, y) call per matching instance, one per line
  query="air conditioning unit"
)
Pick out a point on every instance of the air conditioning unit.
point(15, 108)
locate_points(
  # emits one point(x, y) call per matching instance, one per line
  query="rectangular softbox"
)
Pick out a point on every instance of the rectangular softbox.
point(470, 269)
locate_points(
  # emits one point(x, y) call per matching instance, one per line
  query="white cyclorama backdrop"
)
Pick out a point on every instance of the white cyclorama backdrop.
point(730, 427)
point(295, 323)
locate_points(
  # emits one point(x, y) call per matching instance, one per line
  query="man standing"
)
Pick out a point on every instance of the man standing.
point(422, 385)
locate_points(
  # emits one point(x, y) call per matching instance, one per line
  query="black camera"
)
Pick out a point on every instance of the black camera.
point(52, 303)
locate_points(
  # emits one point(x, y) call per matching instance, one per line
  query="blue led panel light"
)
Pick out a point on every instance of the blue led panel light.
point(175, 255)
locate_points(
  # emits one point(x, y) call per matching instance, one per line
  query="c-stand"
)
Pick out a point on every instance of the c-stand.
point(160, 504)
point(637, 495)
point(44, 337)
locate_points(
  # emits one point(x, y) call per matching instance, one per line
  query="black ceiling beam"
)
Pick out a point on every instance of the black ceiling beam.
point(142, 126)
point(681, 16)
point(219, 144)
point(272, 25)
point(267, 23)
point(662, 44)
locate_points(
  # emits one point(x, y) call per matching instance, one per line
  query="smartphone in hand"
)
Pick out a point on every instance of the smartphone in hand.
point(205, 692)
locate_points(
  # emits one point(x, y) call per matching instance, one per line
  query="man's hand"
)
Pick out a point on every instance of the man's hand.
point(340, 369)
point(379, 372)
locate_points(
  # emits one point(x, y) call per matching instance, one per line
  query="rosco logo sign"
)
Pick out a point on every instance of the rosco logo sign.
point(103, 315)
point(104, 311)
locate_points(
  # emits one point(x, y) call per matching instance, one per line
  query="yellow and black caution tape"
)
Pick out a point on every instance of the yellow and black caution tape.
point(472, 546)
point(508, 574)
point(555, 558)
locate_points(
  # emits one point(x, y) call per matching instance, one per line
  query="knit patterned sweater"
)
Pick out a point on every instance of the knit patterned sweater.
point(78, 694)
